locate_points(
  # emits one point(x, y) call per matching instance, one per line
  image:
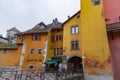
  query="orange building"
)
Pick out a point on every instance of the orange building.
point(34, 46)
point(10, 55)
point(40, 43)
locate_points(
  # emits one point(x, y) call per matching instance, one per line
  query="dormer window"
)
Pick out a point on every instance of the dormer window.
point(36, 37)
point(96, 2)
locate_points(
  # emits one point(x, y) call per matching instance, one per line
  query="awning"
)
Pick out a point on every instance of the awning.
point(52, 61)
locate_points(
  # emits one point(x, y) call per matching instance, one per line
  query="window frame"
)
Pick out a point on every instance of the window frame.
point(94, 2)
point(31, 65)
point(58, 38)
point(32, 52)
point(36, 37)
point(58, 51)
point(75, 29)
point(75, 45)
point(39, 51)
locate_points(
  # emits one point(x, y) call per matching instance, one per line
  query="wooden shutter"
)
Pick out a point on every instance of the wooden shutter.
point(32, 37)
point(53, 38)
point(39, 37)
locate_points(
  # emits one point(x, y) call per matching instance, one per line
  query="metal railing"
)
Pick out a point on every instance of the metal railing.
point(49, 74)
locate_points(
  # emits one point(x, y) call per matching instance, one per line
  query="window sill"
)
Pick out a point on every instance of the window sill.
point(75, 33)
point(74, 49)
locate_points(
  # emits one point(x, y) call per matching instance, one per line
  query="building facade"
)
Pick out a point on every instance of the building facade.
point(94, 42)
point(56, 40)
point(11, 35)
point(10, 55)
point(34, 42)
point(71, 42)
point(112, 18)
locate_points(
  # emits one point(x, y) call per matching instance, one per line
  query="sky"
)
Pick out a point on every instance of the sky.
point(25, 14)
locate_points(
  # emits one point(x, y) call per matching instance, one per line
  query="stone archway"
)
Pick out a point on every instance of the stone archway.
point(75, 63)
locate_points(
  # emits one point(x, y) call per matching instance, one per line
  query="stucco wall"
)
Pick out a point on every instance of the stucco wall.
point(94, 43)
point(111, 11)
point(68, 36)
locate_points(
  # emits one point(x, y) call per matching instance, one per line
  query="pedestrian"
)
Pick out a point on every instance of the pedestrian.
point(72, 67)
point(60, 67)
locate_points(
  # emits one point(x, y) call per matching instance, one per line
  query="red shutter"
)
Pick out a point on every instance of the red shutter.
point(53, 38)
point(32, 37)
point(39, 37)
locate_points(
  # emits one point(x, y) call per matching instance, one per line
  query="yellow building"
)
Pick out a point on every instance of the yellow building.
point(94, 43)
point(55, 44)
point(71, 41)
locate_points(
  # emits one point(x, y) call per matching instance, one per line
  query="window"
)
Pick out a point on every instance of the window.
point(74, 30)
point(78, 16)
point(58, 51)
point(58, 38)
point(96, 2)
point(74, 45)
point(36, 37)
point(4, 51)
point(40, 51)
point(31, 51)
point(61, 51)
point(31, 66)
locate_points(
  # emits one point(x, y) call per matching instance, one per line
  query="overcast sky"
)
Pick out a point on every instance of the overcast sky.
point(25, 14)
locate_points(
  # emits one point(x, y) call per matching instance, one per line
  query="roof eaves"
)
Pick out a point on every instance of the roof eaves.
point(70, 18)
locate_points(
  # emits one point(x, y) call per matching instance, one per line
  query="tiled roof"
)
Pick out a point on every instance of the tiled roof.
point(8, 46)
point(13, 29)
point(42, 28)
point(39, 28)
point(55, 24)
point(4, 38)
point(71, 17)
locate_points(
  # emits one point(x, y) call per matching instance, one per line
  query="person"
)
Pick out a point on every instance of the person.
point(60, 67)
point(43, 67)
point(81, 68)
point(72, 68)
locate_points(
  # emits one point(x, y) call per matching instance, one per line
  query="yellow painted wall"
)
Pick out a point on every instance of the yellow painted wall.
point(11, 57)
point(49, 51)
point(37, 59)
point(58, 43)
point(94, 43)
point(68, 37)
point(52, 45)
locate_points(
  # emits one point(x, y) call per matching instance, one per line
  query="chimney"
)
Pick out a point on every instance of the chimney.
point(68, 16)
point(55, 20)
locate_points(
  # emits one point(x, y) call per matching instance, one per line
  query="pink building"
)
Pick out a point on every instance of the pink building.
point(112, 18)
point(112, 11)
